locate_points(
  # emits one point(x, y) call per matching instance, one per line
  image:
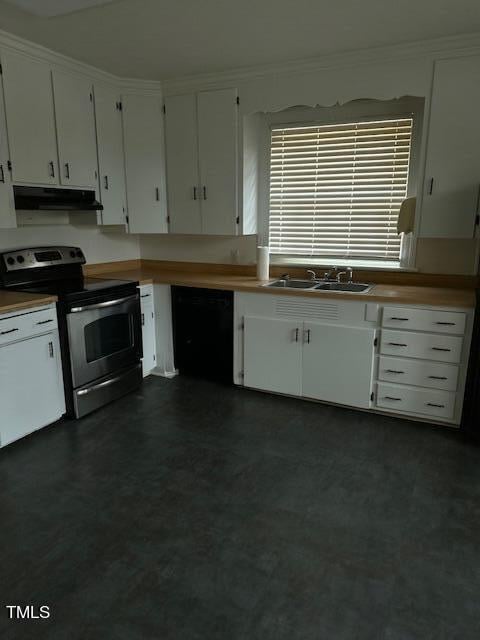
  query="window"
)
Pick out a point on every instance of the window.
point(336, 188)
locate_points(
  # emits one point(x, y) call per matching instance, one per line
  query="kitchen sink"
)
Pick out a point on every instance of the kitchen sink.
point(292, 284)
point(353, 287)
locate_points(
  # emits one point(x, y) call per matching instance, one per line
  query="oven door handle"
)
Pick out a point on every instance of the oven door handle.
point(102, 305)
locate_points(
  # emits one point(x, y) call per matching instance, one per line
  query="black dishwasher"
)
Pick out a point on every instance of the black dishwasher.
point(203, 332)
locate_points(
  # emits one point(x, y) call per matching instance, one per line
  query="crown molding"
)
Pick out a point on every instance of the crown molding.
point(11, 42)
point(451, 45)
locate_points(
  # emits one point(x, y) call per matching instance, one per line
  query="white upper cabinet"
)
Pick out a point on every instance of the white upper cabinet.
point(452, 176)
point(182, 164)
point(75, 129)
point(8, 218)
point(217, 145)
point(30, 119)
point(110, 154)
point(144, 164)
point(202, 155)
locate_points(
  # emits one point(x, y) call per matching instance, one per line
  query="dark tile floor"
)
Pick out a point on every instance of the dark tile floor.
point(194, 511)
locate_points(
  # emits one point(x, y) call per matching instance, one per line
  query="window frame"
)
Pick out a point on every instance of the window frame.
point(357, 110)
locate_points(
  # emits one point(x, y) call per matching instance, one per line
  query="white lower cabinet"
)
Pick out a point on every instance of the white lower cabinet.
point(31, 384)
point(336, 351)
point(338, 363)
point(318, 360)
point(273, 355)
point(148, 329)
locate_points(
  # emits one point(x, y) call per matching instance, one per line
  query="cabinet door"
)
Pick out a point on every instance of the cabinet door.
point(30, 119)
point(145, 170)
point(217, 140)
point(110, 154)
point(273, 355)
point(452, 176)
point(77, 149)
point(29, 369)
point(338, 363)
point(183, 188)
point(148, 336)
point(8, 218)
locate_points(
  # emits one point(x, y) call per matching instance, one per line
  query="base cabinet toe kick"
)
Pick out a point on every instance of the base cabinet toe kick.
point(408, 361)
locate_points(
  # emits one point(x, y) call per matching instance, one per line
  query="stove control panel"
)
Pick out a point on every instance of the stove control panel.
point(38, 257)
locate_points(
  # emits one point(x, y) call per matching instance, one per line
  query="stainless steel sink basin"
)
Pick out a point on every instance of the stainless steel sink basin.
point(292, 284)
point(353, 287)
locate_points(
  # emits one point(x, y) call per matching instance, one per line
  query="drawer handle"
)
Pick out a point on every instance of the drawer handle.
point(438, 377)
point(145, 295)
point(398, 344)
point(392, 398)
point(440, 349)
point(438, 406)
point(45, 321)
point(3, 333)
point(447, 324)
point(393, 371)
point(396, 318)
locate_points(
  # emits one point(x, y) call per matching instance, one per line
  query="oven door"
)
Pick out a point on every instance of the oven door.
point(104, 337)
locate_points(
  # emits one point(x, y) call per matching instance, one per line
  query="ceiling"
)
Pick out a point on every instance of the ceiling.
point(158, 39)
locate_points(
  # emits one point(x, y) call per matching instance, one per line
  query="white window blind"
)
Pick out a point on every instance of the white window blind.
point(336, 189)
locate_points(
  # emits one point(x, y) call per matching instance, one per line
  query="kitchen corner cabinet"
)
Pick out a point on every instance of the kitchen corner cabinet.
point(111, 168)
point(148, 329)
point(144, 163)
point(452, 174)
point(30, 119)
point(202, 154)
point(77, 150)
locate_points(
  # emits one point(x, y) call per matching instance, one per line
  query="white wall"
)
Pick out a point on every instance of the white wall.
point(215, 249)
point(98, 246)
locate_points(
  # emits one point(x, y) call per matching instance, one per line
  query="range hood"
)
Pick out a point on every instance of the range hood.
point(54, 199)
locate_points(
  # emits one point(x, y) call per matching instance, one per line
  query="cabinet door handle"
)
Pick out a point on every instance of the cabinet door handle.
point(4, 333)
point(50, 349)
point(432, 404)
point(447, 324)
point(392, 398)
point(306, 336)
point(105, 179)
point(393, 371)
point(67, 171)
point(440, 349)
point(2, 173)
point(45, 321)
point(194, 193)
point(397, 318)
point(143, 319)
point(438, 377)
point(430, 188)
point(398, 344)
point(157, 194)
point(295, 335)
point(52, 169)
point(204, 192)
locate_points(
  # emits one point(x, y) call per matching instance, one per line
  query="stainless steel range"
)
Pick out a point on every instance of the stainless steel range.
point(99, 323)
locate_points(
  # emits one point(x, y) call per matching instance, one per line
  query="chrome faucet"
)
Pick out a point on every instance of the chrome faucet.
point(313, 275)
point(348, 272)
point(329, 275)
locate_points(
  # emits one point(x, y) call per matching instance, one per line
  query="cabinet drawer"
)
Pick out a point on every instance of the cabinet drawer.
point(27, 325)
point(421, 345)
point(440, 404)
point(424, 320)
point(422, 373)
point(146, 294)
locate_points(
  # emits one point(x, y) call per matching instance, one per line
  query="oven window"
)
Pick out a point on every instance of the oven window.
point(107, 336)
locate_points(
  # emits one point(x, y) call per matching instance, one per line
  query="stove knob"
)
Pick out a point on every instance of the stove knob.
point(10, 260)
point(20, 259)
point(72, 254)
point(79, 254)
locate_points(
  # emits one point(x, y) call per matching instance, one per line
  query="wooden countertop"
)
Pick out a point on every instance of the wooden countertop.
point(393, 294)
point(16, 300)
